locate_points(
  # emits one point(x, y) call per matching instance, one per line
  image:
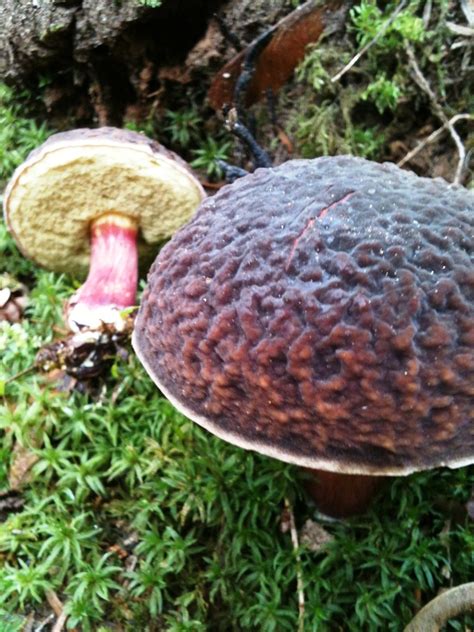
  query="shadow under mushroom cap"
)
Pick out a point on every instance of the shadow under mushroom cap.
point(322, 312)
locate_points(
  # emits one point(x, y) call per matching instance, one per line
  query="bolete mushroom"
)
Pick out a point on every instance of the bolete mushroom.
point(93, 199)
point(322, 313)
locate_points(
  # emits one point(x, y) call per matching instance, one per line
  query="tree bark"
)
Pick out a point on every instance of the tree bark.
point(96, 58)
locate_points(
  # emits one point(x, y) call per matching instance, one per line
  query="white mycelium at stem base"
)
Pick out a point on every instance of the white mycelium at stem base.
point(111, 284)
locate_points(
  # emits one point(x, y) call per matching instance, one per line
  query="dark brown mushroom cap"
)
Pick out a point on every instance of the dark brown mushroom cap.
point(322, 312)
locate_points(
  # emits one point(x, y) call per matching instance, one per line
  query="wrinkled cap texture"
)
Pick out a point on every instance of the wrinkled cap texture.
point(322, 312)
point(76, 176)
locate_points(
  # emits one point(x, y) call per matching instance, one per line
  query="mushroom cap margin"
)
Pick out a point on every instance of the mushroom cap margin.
point(274, 451)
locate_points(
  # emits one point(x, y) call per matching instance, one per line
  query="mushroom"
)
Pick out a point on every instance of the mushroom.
point(92, 199)
point(322, 313)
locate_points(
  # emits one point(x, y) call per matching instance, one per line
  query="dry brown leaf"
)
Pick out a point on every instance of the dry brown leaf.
point(23, 460)
point(282, 54)
point(314, 537)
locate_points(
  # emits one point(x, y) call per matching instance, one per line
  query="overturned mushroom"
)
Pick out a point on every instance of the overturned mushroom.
point(94, 199)
point(322, 312)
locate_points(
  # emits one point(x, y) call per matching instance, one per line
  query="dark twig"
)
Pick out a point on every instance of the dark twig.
point(235, 117)
point(248, 69)
point(271, 105)
point(231, 172)
point(259, 156)
point(227, 33)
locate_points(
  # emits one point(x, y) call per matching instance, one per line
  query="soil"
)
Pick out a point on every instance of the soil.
point(96, 60)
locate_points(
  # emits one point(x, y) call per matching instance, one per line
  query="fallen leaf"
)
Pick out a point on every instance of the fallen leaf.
point(281, 55)
point(314, 537)
point(23, 460)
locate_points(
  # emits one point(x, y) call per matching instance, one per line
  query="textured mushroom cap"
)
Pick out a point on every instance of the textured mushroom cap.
point(79, 175)
point(322, 312)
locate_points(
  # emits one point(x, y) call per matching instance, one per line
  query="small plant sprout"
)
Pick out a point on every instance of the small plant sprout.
point(383, 92)
point(25, 583)
point(209, 155)
point(182, 126)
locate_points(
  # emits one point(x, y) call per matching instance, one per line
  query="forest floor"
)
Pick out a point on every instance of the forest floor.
point(118, 513)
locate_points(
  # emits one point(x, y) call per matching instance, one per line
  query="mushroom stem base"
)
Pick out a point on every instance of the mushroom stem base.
point(342, 495)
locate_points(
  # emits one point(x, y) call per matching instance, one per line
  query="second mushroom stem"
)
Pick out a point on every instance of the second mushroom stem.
point(111, 284)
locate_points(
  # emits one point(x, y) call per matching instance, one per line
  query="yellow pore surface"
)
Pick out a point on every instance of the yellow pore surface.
point(53, 198)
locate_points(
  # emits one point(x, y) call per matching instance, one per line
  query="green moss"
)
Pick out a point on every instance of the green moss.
point(383, 92)
point(368, 20)
point(18, 134)
point(377, 101)
point(151, 3)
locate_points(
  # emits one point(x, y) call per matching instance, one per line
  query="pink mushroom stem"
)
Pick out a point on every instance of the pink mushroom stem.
point(111, 285)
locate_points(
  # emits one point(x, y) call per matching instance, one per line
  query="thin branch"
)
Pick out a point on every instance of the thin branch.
point(54, 602)
point(260, 158)
point(60, 623)
point(432, 137)
point(44, 623)
point(58, 608)
point(425, 86)
point(363, 50)
point(299, 574)
point(249, 66)
point(12, 378)
point(468, 10)
point(427, 13)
